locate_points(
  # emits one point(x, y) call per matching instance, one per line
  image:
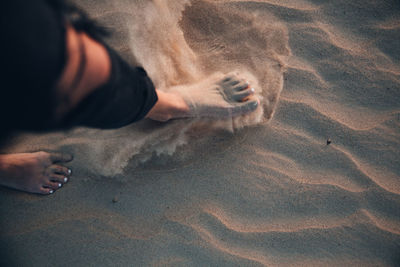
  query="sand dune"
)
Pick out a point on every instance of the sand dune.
point(259, 190)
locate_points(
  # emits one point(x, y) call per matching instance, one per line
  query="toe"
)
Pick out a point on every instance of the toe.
point(53, 185)
point(242, 95)
point(60, 157)
point(46, 191)
point(241, 86)
point(246, 107)
point(230, 77)
point(57, 178)
point(58, 169)
point(233, 82)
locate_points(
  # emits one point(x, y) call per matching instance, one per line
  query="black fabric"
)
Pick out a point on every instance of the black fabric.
point(32, 57)
point(127, 97)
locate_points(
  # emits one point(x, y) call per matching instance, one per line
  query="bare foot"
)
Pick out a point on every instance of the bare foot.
point(38, 172)
point(217, 97)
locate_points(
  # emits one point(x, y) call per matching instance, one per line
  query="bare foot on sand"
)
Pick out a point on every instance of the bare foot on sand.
point(38, 172)
point(216, 97)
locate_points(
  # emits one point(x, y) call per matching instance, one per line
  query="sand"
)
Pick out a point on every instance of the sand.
point(260, 190)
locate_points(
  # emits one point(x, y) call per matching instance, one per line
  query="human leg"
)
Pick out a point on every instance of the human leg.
point(218, 97)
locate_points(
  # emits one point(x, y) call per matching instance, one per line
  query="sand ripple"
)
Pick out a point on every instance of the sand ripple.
point(272, 194)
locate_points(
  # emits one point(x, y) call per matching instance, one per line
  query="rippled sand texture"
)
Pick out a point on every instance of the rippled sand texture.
point(270, 194)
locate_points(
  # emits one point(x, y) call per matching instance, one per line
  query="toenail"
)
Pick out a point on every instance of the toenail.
point(69, 171)
point(59, 185)
point(65, 179)
point(253, 90)
point(51, 191)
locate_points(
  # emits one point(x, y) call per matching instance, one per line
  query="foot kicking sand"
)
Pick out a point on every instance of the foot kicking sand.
point(218, 97)
point(38, 172)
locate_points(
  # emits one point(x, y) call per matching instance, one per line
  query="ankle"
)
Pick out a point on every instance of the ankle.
point(169, 106)
point(180, 108)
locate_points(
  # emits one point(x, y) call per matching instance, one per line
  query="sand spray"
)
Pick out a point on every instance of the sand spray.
point(180, 42)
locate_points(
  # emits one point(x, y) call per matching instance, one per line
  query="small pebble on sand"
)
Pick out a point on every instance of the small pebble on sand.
point(328, 141)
